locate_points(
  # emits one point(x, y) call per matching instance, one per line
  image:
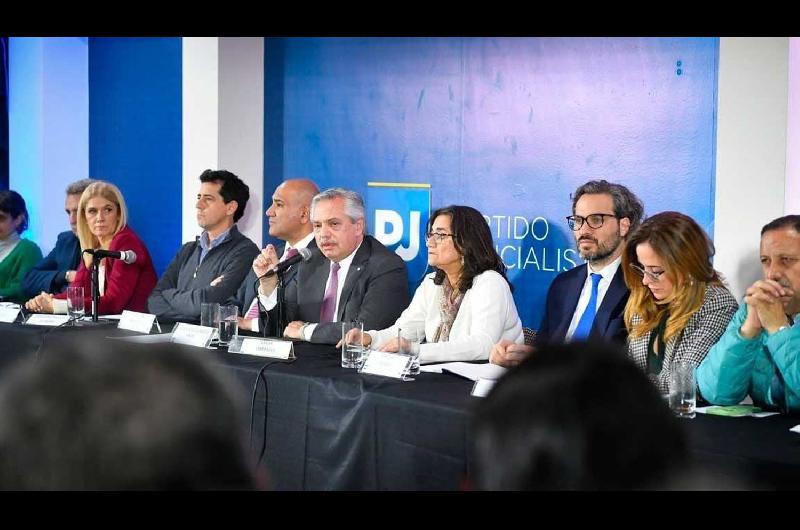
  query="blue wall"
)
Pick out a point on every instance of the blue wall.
point(135, 133)
point(510, 126)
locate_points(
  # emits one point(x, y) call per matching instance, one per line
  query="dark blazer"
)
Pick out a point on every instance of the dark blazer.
point(49, 275)
point(375, 291)
point(562, 299)
point(247, 292)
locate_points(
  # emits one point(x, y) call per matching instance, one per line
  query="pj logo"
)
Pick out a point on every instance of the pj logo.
point(400, 216)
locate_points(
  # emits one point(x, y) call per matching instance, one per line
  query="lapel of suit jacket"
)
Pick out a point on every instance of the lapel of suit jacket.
point(311, 280)
point(616, 291)
point(76, 253)
point(354, 273)
point(572, 291)
point(291, 273)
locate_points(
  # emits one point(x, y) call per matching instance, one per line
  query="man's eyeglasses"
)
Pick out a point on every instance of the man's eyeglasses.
point(654, 276)
point(594, 220)
point(437, 236)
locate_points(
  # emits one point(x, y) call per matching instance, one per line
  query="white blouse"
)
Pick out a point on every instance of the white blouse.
point(487, 315)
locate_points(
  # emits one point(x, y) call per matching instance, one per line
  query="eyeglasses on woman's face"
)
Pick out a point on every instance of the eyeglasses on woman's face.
point(654, 276)
point(437, 237)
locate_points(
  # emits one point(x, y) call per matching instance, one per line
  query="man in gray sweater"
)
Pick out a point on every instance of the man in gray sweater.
point(211, 268)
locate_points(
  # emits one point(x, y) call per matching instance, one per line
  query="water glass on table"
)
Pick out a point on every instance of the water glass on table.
point(209, 313)
point(227, 323)
point(682, 393)
point(352, 344)
point(409, 346)
point(75, 302)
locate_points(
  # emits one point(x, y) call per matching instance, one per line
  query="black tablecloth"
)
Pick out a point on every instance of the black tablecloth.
point(331, 428)
point(328, 427)
point(747, 452)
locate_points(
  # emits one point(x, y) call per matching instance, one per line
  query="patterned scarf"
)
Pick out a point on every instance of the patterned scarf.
point(448, 309)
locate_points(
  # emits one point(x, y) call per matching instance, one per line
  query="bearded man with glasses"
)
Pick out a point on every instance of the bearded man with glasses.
point(588, 301)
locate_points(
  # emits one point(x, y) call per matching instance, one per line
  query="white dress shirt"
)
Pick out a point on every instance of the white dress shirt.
point(607, 274)
point(344, 267)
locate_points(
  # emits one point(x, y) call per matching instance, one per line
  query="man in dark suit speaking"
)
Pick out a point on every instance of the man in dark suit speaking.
point(587, 302)
point(350, 276)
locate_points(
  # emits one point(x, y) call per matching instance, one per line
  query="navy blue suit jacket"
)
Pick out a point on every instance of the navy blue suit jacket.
point(562, 299)
point(49, 275)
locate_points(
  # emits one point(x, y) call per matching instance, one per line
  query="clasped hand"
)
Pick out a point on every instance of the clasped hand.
point(766, 301)
point(509, 354)
point(41, 303)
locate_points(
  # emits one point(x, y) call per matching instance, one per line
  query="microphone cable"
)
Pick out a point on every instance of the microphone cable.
point(46, 333)
point(261, 376)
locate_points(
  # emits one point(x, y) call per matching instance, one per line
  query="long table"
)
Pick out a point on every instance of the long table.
point(330, 428)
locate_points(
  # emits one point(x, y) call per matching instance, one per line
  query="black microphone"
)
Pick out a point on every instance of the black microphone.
point(128, 256)
point(303, 254)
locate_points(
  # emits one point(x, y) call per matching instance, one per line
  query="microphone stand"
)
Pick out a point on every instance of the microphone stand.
point(95, 288)
point(281, 305)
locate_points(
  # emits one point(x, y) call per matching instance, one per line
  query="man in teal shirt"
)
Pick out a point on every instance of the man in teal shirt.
point(760, 350)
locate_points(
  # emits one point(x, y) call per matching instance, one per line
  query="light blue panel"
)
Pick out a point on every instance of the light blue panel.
point(49, 127)
point(510, 126)
point(136, 133)
point(66, 136)
point(25, 126)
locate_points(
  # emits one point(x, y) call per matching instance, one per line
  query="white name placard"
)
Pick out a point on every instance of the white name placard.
point(385, 363)
point(8, 314)
point(40, 319)
point(275, 348)
point(141, 322)
point(192, 335)
point(482, 387)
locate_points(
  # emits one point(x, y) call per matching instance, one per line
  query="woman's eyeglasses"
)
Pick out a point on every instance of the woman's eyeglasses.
point(437, 236)
point(654, 276)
